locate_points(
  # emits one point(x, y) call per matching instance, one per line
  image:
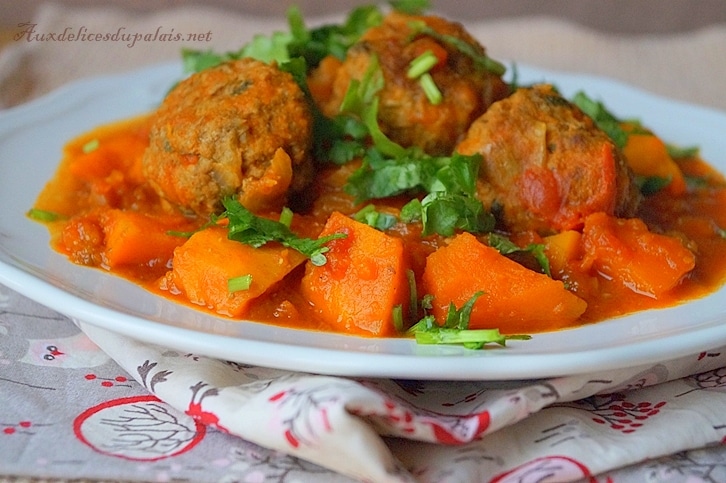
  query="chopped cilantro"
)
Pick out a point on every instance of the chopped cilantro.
point(379, 177)
point(421, 64)
point(389, 169)
point(419, 69)
point(371, 217)
point(604, 119)
point(198, 60)
point(696, 182)
point(44, 215)
point(267, 48)
point(398, 318)
point(247, 228)
point(431, 90)
point(481, 60)
point(444, 213)
point(411, 212)
point(240, 283)
point(90, 146)
point(455, 329)
point(514, 81)
point(335, 39)
point(506, 247)
point(312, 45)
point(361, 102)
point(470, 338)
point(650, 185)
point(286, 216)
point(411, 7)
point(443, 210)
point(677, 152)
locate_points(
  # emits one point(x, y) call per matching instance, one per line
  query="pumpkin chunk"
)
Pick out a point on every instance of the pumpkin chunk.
point(515, 299)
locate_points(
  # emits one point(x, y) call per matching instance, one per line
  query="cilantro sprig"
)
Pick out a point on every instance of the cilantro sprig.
point(256, 231)
point(455, 329)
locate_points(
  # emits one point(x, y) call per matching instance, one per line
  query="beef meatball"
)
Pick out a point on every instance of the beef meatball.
point(405, 114)
point(546, 164)
point(243, 128)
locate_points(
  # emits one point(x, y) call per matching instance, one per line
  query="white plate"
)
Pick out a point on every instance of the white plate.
point(31, 138)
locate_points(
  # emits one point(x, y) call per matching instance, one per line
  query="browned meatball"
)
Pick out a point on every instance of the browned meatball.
point(405, 114)
point(547, 164)
point(242, 128)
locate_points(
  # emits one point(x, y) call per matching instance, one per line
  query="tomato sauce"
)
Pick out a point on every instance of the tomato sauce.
point(100, 180)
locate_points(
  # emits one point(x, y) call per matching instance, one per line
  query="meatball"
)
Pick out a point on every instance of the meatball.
point(405, 113)
point(546, 164)
point(243, 128)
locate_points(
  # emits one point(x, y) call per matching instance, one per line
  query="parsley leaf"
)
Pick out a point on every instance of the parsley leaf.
point(247, 228)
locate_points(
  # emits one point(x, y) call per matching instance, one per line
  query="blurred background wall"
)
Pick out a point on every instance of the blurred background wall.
point(626, 16)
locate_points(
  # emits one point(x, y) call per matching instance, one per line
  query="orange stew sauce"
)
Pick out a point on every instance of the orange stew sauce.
point(100, 191)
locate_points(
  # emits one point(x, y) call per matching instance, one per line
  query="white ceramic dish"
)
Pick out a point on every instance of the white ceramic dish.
point(31, 138)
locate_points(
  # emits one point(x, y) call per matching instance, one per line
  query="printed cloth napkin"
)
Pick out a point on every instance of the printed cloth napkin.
point(92, 404)
point(82, 402)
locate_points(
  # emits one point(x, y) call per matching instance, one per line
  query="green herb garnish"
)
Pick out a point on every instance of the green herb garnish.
point(44, 215)
point(90, 146)
point(315, 44)
point(604, 119)
point(421, 65)
point(371, 217)
point(444, 213)
point(431, 90)
point(247, 228)
point(455, 329)
point(389, 169)
point(505, 246)
point(481, 60)
point(650, 185)
point(678, 152)
point(411, 7)
point(240, 283)
point(286, 215)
